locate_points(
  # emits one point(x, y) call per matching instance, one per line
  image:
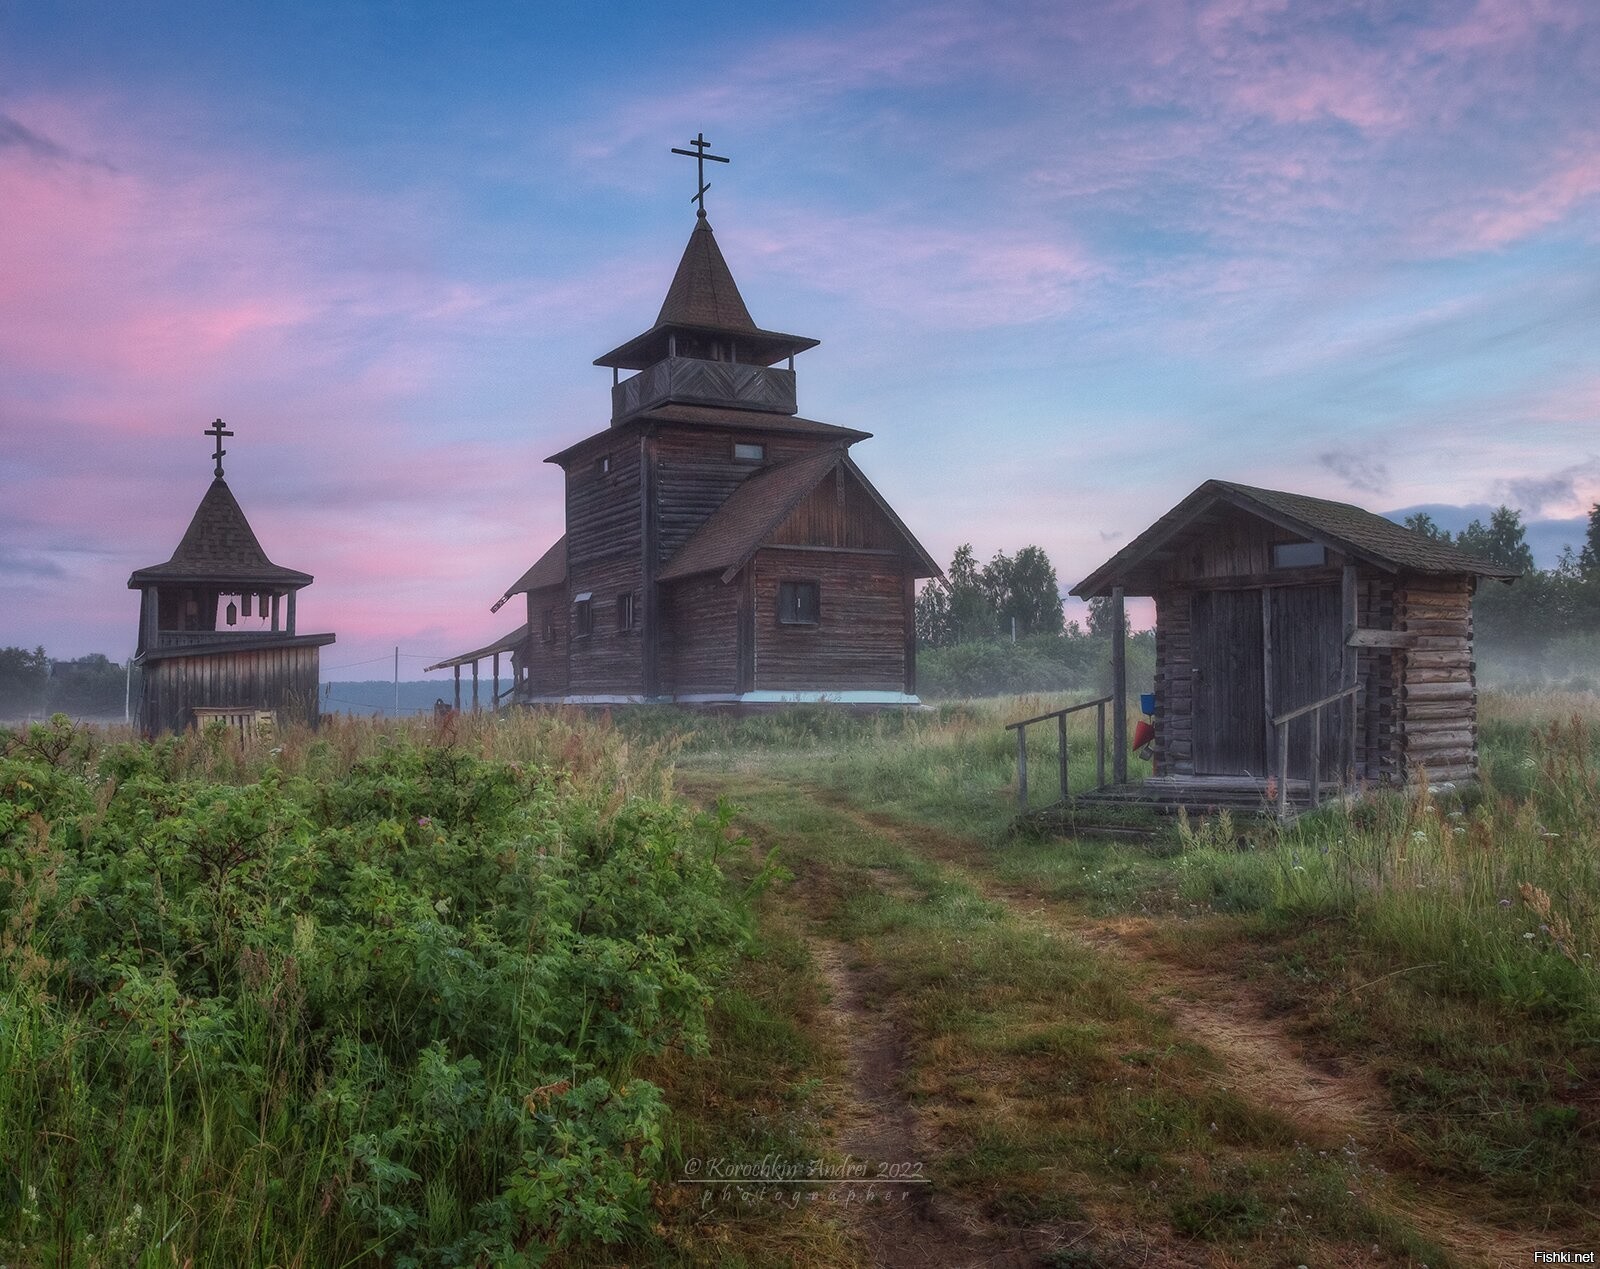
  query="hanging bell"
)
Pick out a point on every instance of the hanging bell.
point(244, 603)
point(233, 613)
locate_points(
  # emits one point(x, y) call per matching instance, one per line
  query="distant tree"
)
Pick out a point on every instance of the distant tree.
point(1503, 540)
point(1421, 522)
point(1101, 623)
point(24, 681)
point(1589, 554)
point(89, 686)
point(975, 602)
point(1023, 588)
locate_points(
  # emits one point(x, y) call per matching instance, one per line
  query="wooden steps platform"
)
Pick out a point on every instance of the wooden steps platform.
point(1165, 796)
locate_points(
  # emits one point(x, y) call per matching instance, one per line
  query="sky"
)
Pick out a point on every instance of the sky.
point(1066, 261)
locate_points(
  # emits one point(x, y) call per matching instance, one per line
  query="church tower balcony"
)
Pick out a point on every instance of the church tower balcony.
point(695, 381)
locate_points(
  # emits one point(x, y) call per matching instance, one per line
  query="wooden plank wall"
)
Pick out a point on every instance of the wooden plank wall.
point(605, 558)
point(838, 513)
point(859, 644)
point(699, 638)
point(284, 680)
point(1438, 720)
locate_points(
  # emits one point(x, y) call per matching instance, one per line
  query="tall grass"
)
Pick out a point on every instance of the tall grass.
point(372, 994)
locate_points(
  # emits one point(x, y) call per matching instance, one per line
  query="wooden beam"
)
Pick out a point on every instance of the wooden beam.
point(1347, 677)
point(474, 687)
point(1119, 686)
point(1266, 665)
point(1022, 770)
point(458, 688)
point(289, 619)
point(1356, 638)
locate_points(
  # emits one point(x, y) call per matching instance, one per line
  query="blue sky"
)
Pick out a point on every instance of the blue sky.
point(1066, 262)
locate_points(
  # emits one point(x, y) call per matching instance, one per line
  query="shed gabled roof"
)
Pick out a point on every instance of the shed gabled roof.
point(753, 511)
point(1348, 529)
point(550, 569)
point(219, 546)
point(704, 298)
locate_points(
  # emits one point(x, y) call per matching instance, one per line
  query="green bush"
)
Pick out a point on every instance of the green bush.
point(395, 1009)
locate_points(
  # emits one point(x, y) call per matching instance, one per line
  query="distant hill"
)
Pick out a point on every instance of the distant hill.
point(376, 696)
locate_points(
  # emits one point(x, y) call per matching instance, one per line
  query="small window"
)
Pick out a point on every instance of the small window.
point(602, 465)
point(625, 614)
point(749, 452)
point(1298, 554)
point(582, 614)
point(549, 631)
point(799, 603)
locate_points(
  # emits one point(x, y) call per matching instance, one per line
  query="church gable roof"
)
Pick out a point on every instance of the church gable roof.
point(1348, 529)
point(753, 512)
point(219, 546)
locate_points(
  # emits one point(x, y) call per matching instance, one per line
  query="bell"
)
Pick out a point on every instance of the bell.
point(244, 603)
point(233, 614)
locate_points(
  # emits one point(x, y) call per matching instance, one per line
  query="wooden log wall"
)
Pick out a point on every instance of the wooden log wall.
point(1174, 685)
point(284, 680)
point(1377, 755)
point(546, 662)
point(607, 661)
point(1438, 717)
point(699, 635)
point(859, 643)
point(695, 472)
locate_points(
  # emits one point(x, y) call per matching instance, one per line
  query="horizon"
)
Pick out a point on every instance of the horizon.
point(1064, 264)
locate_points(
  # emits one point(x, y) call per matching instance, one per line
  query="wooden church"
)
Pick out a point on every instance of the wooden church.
point(720, 549)
point(217, 637)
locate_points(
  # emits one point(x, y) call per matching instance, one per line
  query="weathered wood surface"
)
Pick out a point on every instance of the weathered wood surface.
point(281, 679)
point(1437, 723)
point(545, 661)
point(859, 643)
point(1229, 690)
point(699, 650)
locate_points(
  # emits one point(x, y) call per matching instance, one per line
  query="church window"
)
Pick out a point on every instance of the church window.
point(1298, 554)
point(602, 465)
point(549, 631)
point(582, 615)
point(749, 452)
point(625, 613)
point(799, 603)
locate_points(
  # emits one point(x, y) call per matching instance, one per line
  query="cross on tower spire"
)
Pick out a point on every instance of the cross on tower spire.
point(217, 430)
point(699, 155)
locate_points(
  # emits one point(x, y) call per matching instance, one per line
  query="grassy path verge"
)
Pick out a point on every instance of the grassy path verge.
point(1068, 1110)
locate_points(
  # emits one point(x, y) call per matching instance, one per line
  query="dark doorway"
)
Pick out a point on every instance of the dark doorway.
point(1230, 686)
point(1307, 661)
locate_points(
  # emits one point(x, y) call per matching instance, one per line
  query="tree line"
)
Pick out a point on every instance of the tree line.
point(1544, 626)
point(34, 685)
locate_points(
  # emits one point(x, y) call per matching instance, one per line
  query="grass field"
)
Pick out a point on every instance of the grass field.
point(1370, 1038)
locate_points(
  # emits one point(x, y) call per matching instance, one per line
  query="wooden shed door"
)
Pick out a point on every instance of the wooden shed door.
point(1230, 683)
point(1307, 659)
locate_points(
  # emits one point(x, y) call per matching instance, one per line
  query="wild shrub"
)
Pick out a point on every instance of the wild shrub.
point(393, 1006)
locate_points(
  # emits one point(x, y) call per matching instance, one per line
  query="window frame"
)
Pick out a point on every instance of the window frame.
point(627, 612)
point(583, 615)
point(602, 465)
point(760, 456)
point(815, 586)
point(1320, 561)
point(547, 629)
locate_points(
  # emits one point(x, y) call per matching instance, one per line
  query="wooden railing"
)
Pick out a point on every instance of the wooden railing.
point(1060, 715)
point(1280, 725)
point(245, 722)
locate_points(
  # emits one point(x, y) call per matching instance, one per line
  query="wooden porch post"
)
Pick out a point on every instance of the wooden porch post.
point(1347, 678)
point(1022, 770)
point(1119, 687)
point(458, 688)
point(494, 692)
point(290, 616)
point(474, 687)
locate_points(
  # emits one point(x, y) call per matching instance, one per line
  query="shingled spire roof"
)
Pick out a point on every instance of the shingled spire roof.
point(219, 546)
point(704, 300)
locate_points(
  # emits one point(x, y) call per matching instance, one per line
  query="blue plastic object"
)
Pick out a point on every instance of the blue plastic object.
point(1147, 703)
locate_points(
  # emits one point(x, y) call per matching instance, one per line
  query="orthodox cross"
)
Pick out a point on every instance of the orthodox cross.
point(699, 155)
point(217, 431)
